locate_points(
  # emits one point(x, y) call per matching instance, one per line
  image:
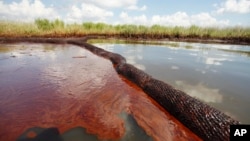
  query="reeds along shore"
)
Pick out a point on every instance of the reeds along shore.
point(57, 28)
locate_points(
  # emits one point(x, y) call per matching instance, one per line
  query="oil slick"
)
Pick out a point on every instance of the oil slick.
point(55, 93)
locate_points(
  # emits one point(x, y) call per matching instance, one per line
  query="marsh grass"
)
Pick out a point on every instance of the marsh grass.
point(145, 42)
point(57, 28)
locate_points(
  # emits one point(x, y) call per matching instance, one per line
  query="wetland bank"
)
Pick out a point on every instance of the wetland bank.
point(57, 28)
point(74, 87)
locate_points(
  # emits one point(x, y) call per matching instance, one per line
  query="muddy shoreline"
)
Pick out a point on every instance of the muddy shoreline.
point(135, 38)
point(207, 122)
point(236, 41)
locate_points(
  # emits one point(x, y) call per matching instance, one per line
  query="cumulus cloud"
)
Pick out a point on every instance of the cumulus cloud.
point(113, 3)
point(126, 19)
point(134, 7)
point(234, 6)
point(26, 10)
point(183, 19)
point(101, 11)
point(176, 19)
point(87, 12)
point(205, 19)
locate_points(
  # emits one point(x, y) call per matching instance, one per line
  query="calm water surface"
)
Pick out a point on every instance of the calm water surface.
point(216, 74)
point(67, 93)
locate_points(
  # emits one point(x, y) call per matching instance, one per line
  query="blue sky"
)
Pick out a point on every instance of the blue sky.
point(146, 12)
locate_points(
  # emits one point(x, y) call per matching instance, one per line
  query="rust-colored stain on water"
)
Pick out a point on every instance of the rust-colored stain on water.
point(64, 86)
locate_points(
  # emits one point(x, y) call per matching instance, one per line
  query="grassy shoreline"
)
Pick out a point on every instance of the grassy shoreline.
point(57, 28)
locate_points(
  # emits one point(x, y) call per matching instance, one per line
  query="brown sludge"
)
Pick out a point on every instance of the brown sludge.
point(207, 122)
point(79, 92)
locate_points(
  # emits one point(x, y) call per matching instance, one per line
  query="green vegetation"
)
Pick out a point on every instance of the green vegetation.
point(45, 24)
point(57, 28)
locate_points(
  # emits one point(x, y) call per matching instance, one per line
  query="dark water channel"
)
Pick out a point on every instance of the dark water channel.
point(216, 74)
point(64, 93)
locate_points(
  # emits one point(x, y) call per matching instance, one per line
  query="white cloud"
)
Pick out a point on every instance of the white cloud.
point(176, 19)
point(26, 10)
point(139, 20)
point(183, 19)
point(205, 19)
point(113, 3)
point(87, 12)
point(124, 16)
point(234, 6)
point(100, 11)
point(134, 7)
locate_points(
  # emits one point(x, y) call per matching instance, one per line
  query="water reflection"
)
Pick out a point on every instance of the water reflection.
point(132, 56)
point(236, 49)
point(175, 68)
point(244, 53)
point(217, 74)
point(80, 96)
point(215, 61)
point(200, 91)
